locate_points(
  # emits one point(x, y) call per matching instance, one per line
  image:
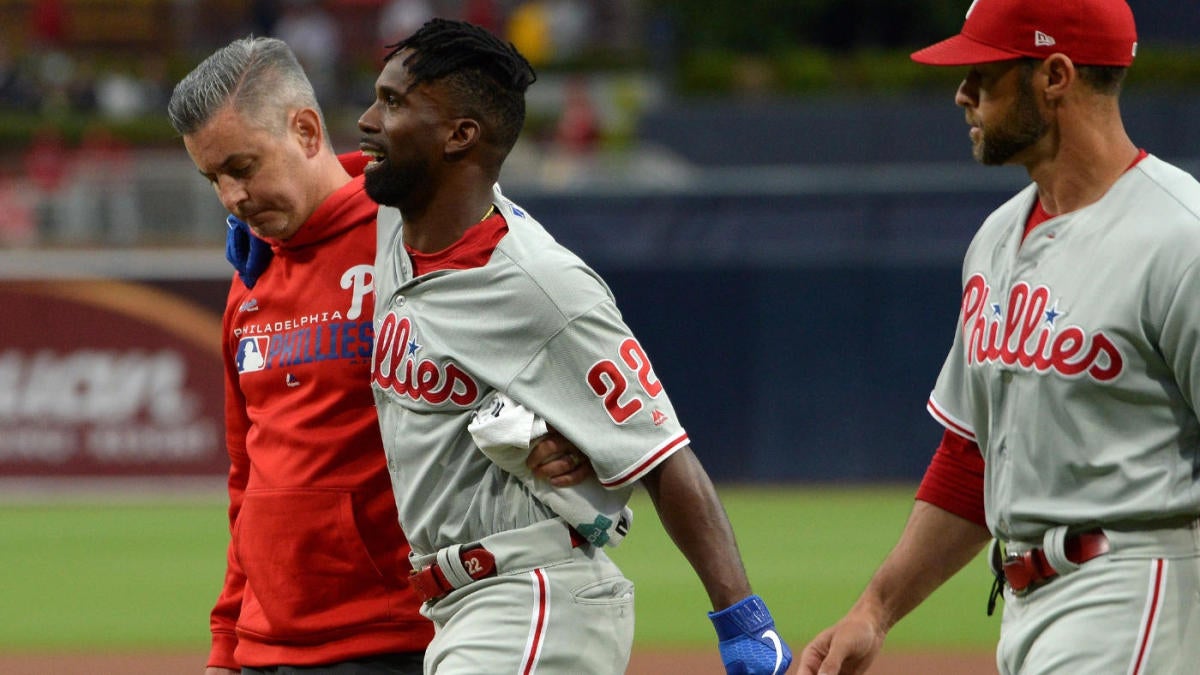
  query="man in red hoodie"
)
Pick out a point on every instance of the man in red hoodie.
point(317, 567)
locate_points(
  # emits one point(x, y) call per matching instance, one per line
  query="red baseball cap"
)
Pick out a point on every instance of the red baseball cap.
point(1089, 32)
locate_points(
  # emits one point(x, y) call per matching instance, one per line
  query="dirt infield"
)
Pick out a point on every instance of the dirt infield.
point(644, 662)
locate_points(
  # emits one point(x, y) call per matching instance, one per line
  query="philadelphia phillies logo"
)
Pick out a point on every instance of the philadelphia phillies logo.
point(360, 281)
point(397, 367)
point(1026, 335)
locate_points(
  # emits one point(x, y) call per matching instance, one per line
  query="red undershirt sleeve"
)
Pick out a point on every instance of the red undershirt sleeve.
point(954, 479)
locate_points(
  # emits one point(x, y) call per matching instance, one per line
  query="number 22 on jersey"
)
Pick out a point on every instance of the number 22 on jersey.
point(611, 382)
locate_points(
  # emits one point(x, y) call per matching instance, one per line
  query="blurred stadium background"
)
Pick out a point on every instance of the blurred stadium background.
point(778, 198)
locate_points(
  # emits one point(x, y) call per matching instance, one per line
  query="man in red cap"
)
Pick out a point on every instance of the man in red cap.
point(1069, 395)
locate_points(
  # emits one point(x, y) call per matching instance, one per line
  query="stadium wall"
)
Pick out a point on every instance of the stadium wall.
point(798, 333)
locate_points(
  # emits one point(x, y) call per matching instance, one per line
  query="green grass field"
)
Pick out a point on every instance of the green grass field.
point(142, 576)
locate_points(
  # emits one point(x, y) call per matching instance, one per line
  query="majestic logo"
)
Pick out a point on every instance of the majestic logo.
point(250, 305)
point(1027, 334)
point(397, 368)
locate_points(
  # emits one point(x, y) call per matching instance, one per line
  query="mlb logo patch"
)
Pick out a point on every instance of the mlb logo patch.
point(252, 354)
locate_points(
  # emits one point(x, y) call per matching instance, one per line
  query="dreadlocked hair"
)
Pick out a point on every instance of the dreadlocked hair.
point(485, 75)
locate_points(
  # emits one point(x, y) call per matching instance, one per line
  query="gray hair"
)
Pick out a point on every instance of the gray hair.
point(260, 77)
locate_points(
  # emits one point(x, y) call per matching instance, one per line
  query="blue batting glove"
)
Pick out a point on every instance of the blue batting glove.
point(248, 254)
point(748, 641)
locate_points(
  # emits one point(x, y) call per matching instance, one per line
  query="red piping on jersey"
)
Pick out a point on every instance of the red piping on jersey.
point(539, 622)
point(1151, 618)
point(654, 459)
point(947, 422)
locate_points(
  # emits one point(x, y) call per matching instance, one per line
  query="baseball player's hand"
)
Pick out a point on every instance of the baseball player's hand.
point(557, 460)
point(220, 671)
point(747, 639)
point(847, 648)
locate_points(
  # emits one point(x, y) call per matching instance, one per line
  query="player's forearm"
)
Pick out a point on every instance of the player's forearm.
point(692, 515)
point(934, 546)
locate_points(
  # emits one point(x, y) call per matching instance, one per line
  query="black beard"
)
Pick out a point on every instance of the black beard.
point(1023, 127)
point(387, 185)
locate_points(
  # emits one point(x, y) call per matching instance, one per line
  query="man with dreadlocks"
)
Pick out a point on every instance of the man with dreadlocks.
point(508, 584)
point(317, 575)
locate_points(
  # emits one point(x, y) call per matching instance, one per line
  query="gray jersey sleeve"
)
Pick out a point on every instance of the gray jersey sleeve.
point(949, 402)
point(1178, 334)
point(595, 383)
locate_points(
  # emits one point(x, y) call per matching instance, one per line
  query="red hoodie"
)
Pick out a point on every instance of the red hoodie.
point(317, 564)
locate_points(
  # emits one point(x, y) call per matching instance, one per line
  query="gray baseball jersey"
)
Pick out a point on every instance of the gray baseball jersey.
point(1074, 364)
point(535, 323)
point(1074, 369)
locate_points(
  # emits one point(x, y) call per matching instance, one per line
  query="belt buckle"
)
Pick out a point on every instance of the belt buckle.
point(426, 584)
point(431, 582)
point(1021, 572)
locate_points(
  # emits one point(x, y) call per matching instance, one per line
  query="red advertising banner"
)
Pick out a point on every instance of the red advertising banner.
point(111, 378)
